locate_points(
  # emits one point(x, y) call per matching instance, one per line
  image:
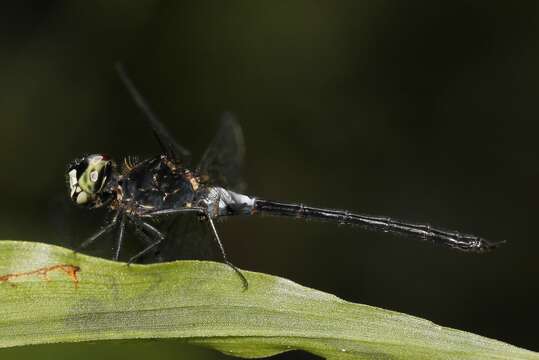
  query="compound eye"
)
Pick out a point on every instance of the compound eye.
point(87, 178)
point(94, 175)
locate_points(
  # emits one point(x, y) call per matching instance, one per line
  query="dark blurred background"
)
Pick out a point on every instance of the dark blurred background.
point(421, 110)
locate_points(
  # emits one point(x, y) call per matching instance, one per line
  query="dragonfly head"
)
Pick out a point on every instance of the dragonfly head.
point(87, 180)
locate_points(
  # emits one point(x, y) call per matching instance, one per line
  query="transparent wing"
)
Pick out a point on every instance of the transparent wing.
point(70, 225)
point(189, 238)
point(61, 219)
point(168, 145)
point(221, 163)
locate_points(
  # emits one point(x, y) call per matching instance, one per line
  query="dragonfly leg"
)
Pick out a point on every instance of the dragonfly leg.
point(158, 239)
point(223, 254)
point(142, 236)
point(119, 240)
point(208, 216)
point(164, 212)
point(98, 234)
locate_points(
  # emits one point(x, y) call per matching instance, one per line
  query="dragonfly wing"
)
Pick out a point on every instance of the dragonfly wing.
point(221, 163)
point(168, 145)
point(189, 238)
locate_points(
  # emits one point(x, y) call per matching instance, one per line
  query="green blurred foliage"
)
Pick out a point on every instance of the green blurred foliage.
point(421, 110)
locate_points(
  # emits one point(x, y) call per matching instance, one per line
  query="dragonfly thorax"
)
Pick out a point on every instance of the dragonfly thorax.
point(155, 184)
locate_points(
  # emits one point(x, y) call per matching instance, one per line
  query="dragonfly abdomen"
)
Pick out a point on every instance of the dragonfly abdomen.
point(453, 239)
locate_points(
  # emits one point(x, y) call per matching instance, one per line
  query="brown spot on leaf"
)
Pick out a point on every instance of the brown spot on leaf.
point(69, 270)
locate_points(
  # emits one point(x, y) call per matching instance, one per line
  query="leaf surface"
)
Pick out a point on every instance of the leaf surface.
point(50, 294)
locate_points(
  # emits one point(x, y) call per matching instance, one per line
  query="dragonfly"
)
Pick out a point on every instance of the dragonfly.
point(140, 192)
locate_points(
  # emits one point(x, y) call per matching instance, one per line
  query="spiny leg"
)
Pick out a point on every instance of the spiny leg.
point(119, 240)
point(167, 212)
point(156, 233)
point(201, 211)
point(223, 254)
point(174, 211)
point(98, 234)
point(142, 236)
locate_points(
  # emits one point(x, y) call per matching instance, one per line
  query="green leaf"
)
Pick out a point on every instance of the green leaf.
point(49, 294)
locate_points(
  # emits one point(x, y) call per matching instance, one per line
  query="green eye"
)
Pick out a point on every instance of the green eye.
point(87, 177)
point(92, 178)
